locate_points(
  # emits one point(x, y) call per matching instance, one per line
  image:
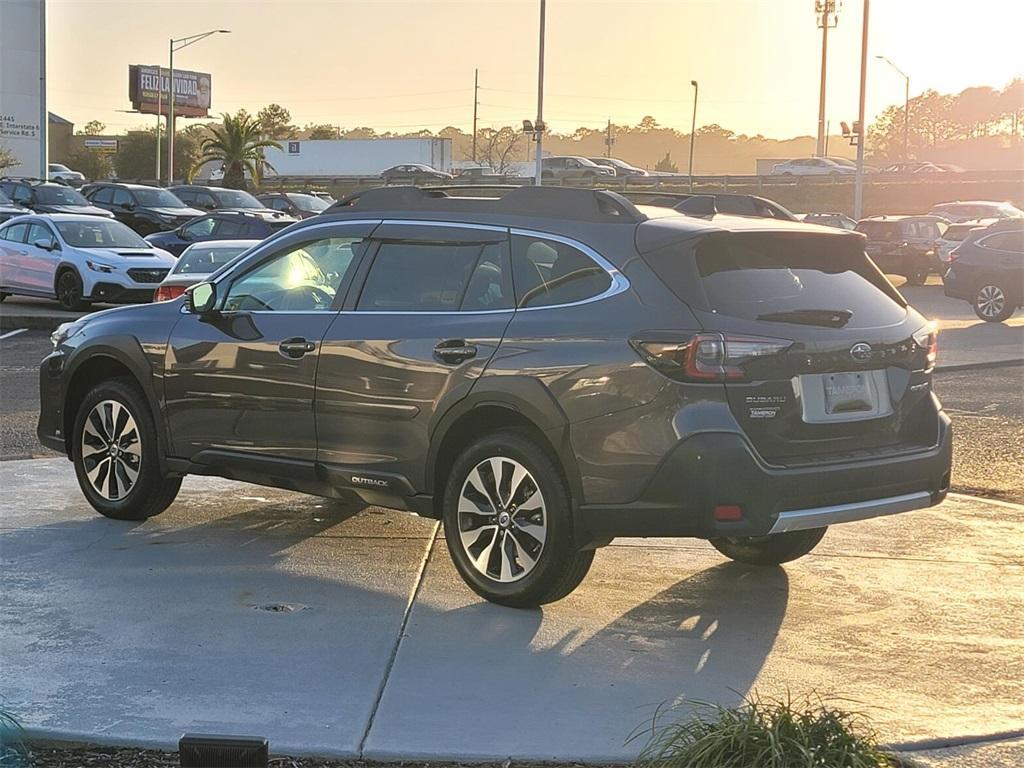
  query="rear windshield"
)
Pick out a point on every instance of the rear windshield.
point(958, 232)
point(880, 230)
point(785, 278)
point(203, 260)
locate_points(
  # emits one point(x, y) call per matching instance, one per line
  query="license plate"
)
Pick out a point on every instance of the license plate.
point(848, 393)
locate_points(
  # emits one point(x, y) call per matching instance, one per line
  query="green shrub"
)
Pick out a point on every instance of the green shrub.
point(760, 733)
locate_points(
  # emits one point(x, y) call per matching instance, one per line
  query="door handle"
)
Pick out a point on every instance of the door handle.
point(295, 347)
point(455, 350)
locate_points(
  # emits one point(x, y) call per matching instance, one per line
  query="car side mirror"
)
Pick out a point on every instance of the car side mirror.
point(202, 299)
point(46, 245)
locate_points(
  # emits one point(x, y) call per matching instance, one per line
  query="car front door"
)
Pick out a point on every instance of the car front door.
point(41, 257)
point(429, 314)
point(123, 207)
point(239, 381)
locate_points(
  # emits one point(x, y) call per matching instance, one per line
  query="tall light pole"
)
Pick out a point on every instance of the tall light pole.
point(539, 125)
point(693, 129)
point(476, 103)
point(177, 45)
point(906, 105)
point(858, 189)
point(825, 10)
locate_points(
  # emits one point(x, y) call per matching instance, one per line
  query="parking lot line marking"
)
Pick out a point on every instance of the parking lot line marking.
point(12, 333)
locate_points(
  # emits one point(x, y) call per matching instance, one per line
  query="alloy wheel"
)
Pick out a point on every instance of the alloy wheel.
point(991, 300)
point(502, 519)
point(111, 450)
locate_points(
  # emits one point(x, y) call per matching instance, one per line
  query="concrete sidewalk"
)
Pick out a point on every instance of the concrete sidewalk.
point(252, 611)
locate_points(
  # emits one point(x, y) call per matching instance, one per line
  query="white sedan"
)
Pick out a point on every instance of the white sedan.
point(812, 166)
point(77, 260)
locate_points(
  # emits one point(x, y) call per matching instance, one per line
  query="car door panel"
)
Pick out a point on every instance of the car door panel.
point(40, 264)
point(386, 376)
point(13, 254)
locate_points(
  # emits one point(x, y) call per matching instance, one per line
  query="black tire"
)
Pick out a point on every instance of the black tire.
point(559, 567)
point(992, 303)
point(150, 493)
point(918, 274)
point(69, 291)
point(775, 549)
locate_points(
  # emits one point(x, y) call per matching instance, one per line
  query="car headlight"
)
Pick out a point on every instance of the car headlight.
point(97, 266)
point(65, 331)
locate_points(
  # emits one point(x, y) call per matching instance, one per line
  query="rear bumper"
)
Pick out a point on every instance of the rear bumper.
point(722, 469)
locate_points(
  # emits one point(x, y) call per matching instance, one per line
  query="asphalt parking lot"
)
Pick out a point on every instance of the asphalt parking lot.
point(346, 632)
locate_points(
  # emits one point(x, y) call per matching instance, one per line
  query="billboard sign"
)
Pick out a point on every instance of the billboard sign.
point(149, 89)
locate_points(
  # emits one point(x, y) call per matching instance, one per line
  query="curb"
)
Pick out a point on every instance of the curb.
point(925, 745)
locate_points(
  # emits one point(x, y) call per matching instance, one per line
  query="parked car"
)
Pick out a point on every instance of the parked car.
point(197, 262)
point(8, 210)
point(296, 204)
point(64, 175)
point(145, 209)
point(711, 204)
point(836, 220)
point(813, 166)
point(903, 245)
point(49, 197)
point(222, 199)
point(987, 269)
point(490, 369)
point(327, 197)
point(975, 209)
point(413, 173)
point(621, 167)
point(954, 235)
point(225, 225)
point(478, 174)
point(914, 167)
point(573, 168)
point(78, 260)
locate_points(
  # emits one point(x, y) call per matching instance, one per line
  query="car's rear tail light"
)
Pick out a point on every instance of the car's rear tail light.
point(928, 339)
point(168, 292)
point(708, 356)
point(728, 513)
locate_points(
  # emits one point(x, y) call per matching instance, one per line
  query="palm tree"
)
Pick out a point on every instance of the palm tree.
point(238, 143)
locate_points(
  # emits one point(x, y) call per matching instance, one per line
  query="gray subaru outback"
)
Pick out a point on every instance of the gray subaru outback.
point(543, 369)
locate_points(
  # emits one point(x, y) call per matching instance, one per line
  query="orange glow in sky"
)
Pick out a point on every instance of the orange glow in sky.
point(406, 64)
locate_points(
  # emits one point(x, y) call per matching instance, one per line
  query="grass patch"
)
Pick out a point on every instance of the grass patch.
point(761, 733)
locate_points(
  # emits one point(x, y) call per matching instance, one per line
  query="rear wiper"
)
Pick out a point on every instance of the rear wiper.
point(829, 318)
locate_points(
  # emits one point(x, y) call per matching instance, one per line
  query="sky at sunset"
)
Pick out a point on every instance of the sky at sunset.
point(402, 65)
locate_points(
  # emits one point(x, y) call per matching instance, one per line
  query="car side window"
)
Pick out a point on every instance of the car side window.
point(200, 228)
point(419, 277)
point(205, 200)
point(187, 197)
point(15, 233)
point(21, 194)
point(122, 196)
point(1004, 241)
point(547, 272)
point(302, 277)
point(40, 232)
point(227, 228)
point(102, 195)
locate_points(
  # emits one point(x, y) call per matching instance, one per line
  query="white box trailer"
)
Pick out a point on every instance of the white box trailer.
point(355, 157)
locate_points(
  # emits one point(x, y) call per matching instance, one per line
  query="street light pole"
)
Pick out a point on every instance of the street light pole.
point(177, 45)
point(906, 105)
point(693, 129)
point(539, 125)
point(858, 190)
point(826, 11)
point(159, 117)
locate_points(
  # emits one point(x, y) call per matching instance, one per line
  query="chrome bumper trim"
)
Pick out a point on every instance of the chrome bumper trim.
point(817, 517)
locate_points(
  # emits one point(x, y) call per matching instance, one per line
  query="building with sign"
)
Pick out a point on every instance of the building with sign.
point(23, 122)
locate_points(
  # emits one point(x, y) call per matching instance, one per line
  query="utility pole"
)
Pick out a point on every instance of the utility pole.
point(608, 139)
point(693, 130)
point(825, 10)
point(858, 191)
point(476, 103)
point(539, 125)
point(159, 116)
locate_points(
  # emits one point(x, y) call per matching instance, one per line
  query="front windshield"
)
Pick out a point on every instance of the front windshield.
point(99, 233)
point(157, 198)
point(60, 196)
point(236, 198)
point(308, 203)
point(4, 199)
point(202, 260)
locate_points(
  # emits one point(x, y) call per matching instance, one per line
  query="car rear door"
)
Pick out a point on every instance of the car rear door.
point(817, 352)
point(429, 314)
point(13, 272)
point(240, 382)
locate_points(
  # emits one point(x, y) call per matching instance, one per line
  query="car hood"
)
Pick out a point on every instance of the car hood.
point(13, 209)
point(177, 213)
point(88, 210)
point(153, 258)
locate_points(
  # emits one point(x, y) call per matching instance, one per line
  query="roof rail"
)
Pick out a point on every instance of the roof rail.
point(597, 205)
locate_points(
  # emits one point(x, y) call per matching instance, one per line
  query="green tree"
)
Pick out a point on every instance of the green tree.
point(92, 164)
point(136, 154)
point(238, 143)
point(94, 128)
point(7, 159)
point(320, 132)
point(276, 122)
